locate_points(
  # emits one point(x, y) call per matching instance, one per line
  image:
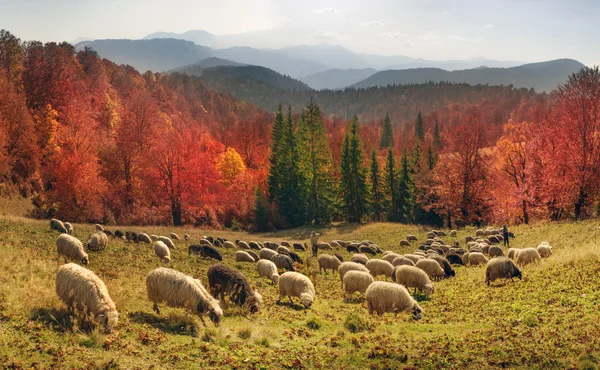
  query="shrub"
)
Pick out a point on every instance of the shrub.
point(355, 323)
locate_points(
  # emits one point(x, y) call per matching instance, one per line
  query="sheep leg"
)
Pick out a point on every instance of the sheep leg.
point(203, 322)
point(155, 308)
point(291, 300)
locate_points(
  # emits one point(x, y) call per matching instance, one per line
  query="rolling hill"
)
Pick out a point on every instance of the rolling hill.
point(258, 77)
point(198, 37)
point(337, 78)
point(197, 69)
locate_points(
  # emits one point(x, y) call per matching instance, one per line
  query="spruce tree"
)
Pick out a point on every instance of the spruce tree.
point(353, 184)
point(275, 171)
point(436, 135)
point(262, 213)
point(405, 191)
point(416, 158)
point(387, 136)
point(391, 188)
point(431, 158)
point(419, 128)
point(376, 191)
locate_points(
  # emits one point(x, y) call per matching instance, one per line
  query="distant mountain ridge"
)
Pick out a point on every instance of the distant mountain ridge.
point(337, 78)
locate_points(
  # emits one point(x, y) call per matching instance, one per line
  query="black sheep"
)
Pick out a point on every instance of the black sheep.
point(131, 236)
point(205, 251)
point(253, 254)
point(445, 264)
point(108, 233)
point(352, 248)
point(226, 281)
point(119, 234)
point(299, 247)
point(454, 259)
point(365, 249)
point(339, 257)
point(255, 246)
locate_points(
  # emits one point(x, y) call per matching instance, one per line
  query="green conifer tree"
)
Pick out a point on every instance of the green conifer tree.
point(420, 128)
point(353, 182)
point(377, 201)
point(387, 135)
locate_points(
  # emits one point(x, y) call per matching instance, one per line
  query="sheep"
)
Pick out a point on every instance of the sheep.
point(209, 238)
point(476, 258)
point(527, 256)
point(57, 225)
point(176, 289)
point(344, 267)
point(241, 256)
point(431, 235)
point(242, 244)
point(414, 277)
point(465, 258)
point(108, 233)
point(501, 268)
point(445, 265)
point(341, 243)
point(365, 249)
point(154, 238)
point(69, 246)
point(285, 243)
point(544, 249)
point(228, 245)
point(144, 238)
point(356, 281)
point(206, 242)
point(252, 254)
point(328, 262)
point(69, 228)
point(390, 257)
point(493, 239)
point(97, 242)
point(281, 249)
point(453, 233)
point(254, 245)
point(359, 258)
point(119, 234)
point(267, 269)
point(411, 238)
point(168, 242)
point(266, 254)
point(224, 280)
point(99, 227)
point(324, 246)
point(413, 257)
point(80, 289)
point(431, 267)
point(295, 257)
point(205, 251)
point(468, 239)
point(399, 261)
point(283, 262)
point(454, 259)
point(404, 243)
point(429, 241)
point(299, 247)
point(351, 248)
point(380, 267)
point(459, 251)
point(495, 251)
point(294, 284)
point(385, 297)
point(186, 236)
point(175, 236)
point(511, 234)
point(162, 251)
point(479, 232)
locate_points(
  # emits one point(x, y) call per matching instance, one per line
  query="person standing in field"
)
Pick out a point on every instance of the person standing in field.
point(505, 235)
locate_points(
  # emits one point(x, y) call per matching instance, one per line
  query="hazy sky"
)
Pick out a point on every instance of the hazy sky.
point(522, 30)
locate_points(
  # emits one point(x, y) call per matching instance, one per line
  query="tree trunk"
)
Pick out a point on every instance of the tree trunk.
point(579, 204)
point(176, 212)
point(525, 213)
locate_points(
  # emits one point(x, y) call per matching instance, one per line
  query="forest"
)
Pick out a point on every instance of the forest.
point(91, 141)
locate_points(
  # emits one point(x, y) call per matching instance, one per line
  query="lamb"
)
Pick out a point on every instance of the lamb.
point(144, 238)
point(445, 265)
point(224, 280)
point(501, 268)
point(228, 245)
point(402, 261)
point(431, 267)
point(359, 258)
point(97, 242)
point(385, 297)
point(176, 289)
point(380, 267)
point(99, 227)
point(69, 246)
point(241, 256)
point(414, 277)
point(69, 228)
point(454, 259)
point(57, 225)
point(365, 249)
point(411, 238)
point(495, 251)
point(205, 251)
point(453, 233)
point(390, 257)
point(527, 256)
point(162, 251)
point(254, 245)
point(356, 281)
point(168, 242)
point(175, 236)
point(80, 289)
point(350, 266)
point(267, 269)
point(186, 236)
point(283, 262)
point(544, 249)
point(328, 262)
point(267, 254)
point(404, 243)
point(242, 244)
point(294, 284)
point(476, 258)
point(253, 254)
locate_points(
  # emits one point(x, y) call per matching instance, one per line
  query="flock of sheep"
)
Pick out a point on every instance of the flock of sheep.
point(80, 289)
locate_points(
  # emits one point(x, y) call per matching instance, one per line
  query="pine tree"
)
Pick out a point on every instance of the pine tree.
point(274, 177)
point(431, 158)
point(391, 188)
point(405, 196)
point(420, 128)
point(376, 191)
point(416, 158)
point(316, 165)
point(387, 136)
point(353, 184)
point(436, 135)
point(262, 213)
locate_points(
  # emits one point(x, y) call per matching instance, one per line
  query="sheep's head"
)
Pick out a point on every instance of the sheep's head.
point(417, 311)
point(517, 273)
point(306, 299)
point(275, 278)
point(429, 290)
point(254, 302)
point(85, 261)
point(109, 320)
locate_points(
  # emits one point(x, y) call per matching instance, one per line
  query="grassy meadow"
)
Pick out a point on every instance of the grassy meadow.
point(550, 319)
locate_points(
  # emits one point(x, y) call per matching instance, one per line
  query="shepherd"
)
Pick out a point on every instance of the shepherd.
point(505, 235)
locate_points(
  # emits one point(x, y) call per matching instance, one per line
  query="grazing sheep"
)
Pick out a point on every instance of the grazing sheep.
point(511, 234)
point(380, 267)
point(493, 239)
point(431, 235)
point(162, 251)
point(174, 236)
point(254, 245)
point(108, 233)
point(328, 262)
point(80, 289)
point(168, 242)
point(465, 258)
point(228, 245)
point(501, 268)
point(224, 280)
point(364, 249)
point(282, 249)
point(242, 244)
point(267, 269)
point(385, 297)
point(411, 238)
point(341, 243)
point(495, 251)
point(390, 257)
point(299, 247)
point(453, 233)
point(69, 228)
point(176, 289)
point(404, 243)
point(413, 257)
point(339, 257)
point(459, 251)
point(468, 239)
point(283, 262)
point(527, 256)
point(294, 284)
point(99, 227)
point(444, 264)
point(186, 236)
point(351, 248)
point(350, 266)
point(205, 251)
point(479, 232)
point(97, 242)
point(414, 277)
point(267, 254)
point(253, 254)
point(209, 238)
point(154, 238)
point(544, 249)
point(324, 246)
point(57, 225)
point(119, 234)
point(356, 281)
point(70, 247)
point(241, 256)
point(206, 242)
point(454, 259)
point(432, 268)
point(144, 238)
point(477, 258)
point(359, 258)
point(400, 261)
point(285, 243)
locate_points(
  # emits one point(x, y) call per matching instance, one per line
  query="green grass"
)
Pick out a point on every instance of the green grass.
point(547, 320)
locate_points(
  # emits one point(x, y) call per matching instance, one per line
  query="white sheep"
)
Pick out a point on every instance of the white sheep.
point(328, 262)
point(241, 256)
point(356, 281)
point(70, 247)
point(186, 236)
point(527, 256)
point(176, 289)
point(266, 254)
point(385, 297)
point(144, 238)
point(431, 267)
point(476, 258)
point(97, 242)
point(282, 249)
point(294, 284)
point(175, 236)
point(162, 251)
point(57, 225)
point(359, 258)
point(154, 237)
point(324, 246)
point(399, 261)
point(544, 249)
point(390, 256)
point(453, 233)
point(99, 227)
point(512, 253)
point(80, 289)
point(380, 267)
point(69, 228)
point(413, 257)
point(242, 244)
point(167, 241)
point(350, 266)
point(228, 244)
point(501, 268)
point(414, 277)
point(267, 269)
point(495, 251)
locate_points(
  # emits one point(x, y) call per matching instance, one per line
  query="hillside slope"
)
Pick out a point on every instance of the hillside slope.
point(337, 78)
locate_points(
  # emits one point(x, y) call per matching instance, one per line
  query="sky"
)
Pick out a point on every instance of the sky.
point(518, 30)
